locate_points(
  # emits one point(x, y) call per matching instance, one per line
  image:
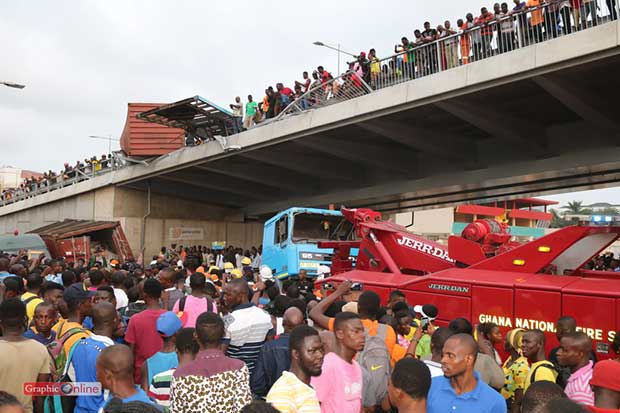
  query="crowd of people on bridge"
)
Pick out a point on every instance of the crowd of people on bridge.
point(504, 27)
point(51, 180)
point(188, 334)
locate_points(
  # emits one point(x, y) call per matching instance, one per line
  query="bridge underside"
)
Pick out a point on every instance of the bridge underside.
point(545, 131)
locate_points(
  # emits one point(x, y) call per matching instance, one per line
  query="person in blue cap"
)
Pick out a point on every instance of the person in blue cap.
point(168, 324)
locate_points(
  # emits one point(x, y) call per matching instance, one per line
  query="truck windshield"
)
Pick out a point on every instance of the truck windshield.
point(309, 227)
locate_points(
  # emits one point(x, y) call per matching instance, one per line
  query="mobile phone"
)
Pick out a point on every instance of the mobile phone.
point(425, 322)
point(357, 287)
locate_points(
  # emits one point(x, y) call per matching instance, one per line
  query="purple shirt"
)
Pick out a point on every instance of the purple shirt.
point(578, 386)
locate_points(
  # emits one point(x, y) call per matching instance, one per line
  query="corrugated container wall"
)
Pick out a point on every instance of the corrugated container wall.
point(142, 138)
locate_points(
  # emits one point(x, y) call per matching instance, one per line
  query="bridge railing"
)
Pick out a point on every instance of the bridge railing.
point(58, 182)
point(483, 39)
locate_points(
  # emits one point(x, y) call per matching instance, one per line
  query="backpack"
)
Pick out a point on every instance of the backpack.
point(376, 369)
point(57, 351)
point(60, 362)
point(29, 299)
point(183, 299)
point(560, 378)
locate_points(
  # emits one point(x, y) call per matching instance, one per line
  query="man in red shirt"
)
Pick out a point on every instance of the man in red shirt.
point(324, 75)
point(486, 30)
point(606, 385)
point(142, 335)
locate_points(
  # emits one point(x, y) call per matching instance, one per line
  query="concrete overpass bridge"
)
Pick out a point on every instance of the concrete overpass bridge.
point(535, 120)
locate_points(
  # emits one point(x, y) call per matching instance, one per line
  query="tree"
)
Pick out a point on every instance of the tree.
point(557, 221)
point(574, 208)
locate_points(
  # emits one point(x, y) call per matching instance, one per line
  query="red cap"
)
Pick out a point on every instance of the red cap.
point(606, 374)
point(363, 54)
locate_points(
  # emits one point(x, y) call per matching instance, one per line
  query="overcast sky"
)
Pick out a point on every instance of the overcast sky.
point(83, 61)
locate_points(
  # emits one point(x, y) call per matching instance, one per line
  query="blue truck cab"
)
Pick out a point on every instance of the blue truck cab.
point(290, 240)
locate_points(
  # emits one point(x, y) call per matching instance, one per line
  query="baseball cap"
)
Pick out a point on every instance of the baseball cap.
point(168, 324)
point(76, 293)
point(228, 266)
point(351, 307)
point(265, 273)
point(427, 311)
point(605, 374)
point(246, 261)
point(236, 273)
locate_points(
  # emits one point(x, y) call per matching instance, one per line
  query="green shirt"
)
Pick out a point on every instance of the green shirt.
point(424, 346)
point(250, 108)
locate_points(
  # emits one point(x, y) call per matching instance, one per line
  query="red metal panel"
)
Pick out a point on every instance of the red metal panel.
point(538, 309)
point(140, 138)
point(75, 248)
point(480, 210)
point(534, 215)
point(449, 309)
point(596, 316)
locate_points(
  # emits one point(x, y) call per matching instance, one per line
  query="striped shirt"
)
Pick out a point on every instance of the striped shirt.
point(290, 395)
point(159, 389)
point(247, 326)
point(578, 386)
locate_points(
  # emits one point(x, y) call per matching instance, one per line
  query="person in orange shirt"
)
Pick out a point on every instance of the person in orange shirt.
point(536, 20)
point(367, 307)
point(465, 38)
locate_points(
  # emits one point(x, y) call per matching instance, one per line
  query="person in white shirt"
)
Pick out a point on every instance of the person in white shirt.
point(438, 339)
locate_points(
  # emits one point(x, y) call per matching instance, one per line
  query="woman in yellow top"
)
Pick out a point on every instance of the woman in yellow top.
point(375, 68)
point(515, 368)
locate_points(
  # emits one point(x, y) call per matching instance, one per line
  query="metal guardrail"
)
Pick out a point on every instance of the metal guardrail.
point(59, 182)
point(481, 40)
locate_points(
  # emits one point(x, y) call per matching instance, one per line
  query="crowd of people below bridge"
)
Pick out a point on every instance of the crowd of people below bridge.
point(186, 334)
point(51, 180)
point(503, 28)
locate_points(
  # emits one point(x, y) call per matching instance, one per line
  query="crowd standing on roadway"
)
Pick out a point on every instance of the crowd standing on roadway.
point(188, 334)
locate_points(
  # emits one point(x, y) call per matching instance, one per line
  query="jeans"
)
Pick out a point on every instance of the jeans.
point(238, 124)
point(506, 41)
point(586, 10)
point(566, 23)
point(613, 13)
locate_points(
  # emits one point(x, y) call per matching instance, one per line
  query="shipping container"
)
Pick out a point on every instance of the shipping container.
point(74, 239)
point(142, 138)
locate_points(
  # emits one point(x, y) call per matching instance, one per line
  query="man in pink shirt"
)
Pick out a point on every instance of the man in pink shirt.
point(339, 387)
point(188, 308)
point(574, 353)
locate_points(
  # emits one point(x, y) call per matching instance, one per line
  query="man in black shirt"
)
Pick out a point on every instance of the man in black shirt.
point(305, 286)
point(429, 35)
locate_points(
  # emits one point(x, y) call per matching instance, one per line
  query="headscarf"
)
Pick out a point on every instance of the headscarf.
point(514, 338)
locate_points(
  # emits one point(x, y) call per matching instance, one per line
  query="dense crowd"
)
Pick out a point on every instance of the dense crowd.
point(69, 174)
point(507, 27)
point(605, 262)
point(184, 334)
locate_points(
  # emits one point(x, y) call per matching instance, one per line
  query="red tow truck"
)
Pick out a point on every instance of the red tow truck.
point(485, 277)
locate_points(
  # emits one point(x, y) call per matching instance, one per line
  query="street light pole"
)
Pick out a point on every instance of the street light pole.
point(108, 138)
point(13, 85)
point(338, 49)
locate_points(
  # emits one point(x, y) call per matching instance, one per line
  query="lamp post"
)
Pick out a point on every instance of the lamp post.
point(13, 85)
point(107, 138)
point(338, 49)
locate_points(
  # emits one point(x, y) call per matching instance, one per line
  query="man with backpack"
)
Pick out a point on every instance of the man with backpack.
point(83, 366)
point(380, 349)
point(339, 387)
point(189, 307)
point(541, 369)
